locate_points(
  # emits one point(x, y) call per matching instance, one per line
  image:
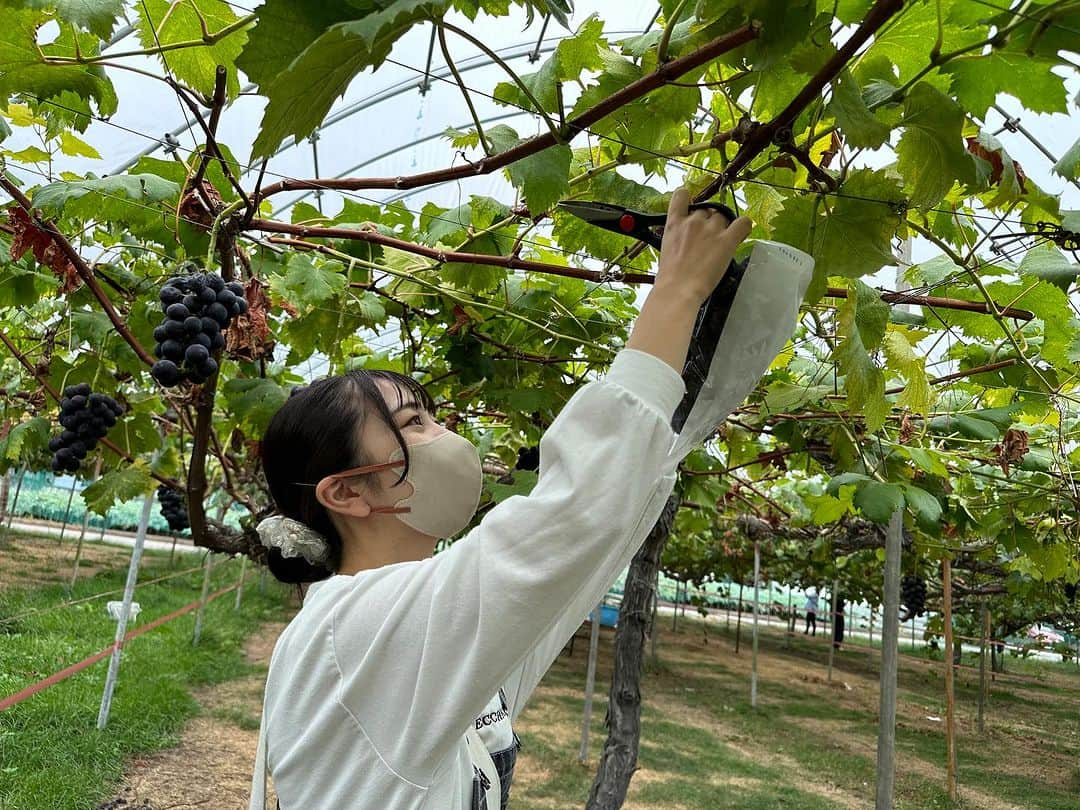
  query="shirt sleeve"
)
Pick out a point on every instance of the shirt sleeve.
point(421, 648)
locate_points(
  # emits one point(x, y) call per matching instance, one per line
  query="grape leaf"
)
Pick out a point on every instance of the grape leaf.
point(1049, 264)
point(851, 240)
point(931, 151)
point(926, 507)
point(118, 486)
point(96, 16)
point(871, 315)
point(860, 126)
point(253, 402)
point(105, 193)
point(908, 45)
point(24, 439)
point(302, 94)
point(307, 284)
point(977, 79)
point(164, 22)
point(1069, 165)
point(877, 501)
point(25, 72)
point(863, 381)
point(285, 28)
point(543, 178)
point(900, 355)
point(76, 147)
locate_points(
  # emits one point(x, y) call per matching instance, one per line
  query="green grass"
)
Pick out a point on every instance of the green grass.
point(805, 738)
point(51, 754)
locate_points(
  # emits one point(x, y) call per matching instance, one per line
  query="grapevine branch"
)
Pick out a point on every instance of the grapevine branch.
point(633, 91)
point(513, 263)
point(942, 303)
point(364, 235)
point(778, 130)
point(81, 267)
point(43, 381)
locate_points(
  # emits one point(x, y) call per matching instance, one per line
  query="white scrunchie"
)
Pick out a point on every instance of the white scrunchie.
point(293, 539)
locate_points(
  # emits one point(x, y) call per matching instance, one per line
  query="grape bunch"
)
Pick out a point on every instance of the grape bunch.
point(173, 508)
point(913, 594)
point(528, 459)
point(85, 417)
point(197, 309)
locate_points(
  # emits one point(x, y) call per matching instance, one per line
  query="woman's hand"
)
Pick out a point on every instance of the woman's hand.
point(697, 249)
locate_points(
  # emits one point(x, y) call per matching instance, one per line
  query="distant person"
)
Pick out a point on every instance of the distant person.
point(811, 613)
point(838, 622)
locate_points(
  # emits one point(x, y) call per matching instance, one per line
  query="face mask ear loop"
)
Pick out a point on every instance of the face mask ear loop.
point(386, 465)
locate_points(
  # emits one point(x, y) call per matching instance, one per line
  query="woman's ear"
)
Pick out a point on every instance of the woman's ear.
point(337, 495)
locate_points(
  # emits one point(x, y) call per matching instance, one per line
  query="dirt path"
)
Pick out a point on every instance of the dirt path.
point(211, 766)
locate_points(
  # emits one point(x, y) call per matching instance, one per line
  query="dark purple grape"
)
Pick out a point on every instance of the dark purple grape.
point(219, 313)
point(172, 350)
point(116, 407)
point(210, 326)
point(236, 287)
point(192, 302)
point(166, 373)
point(208, 368)
point(65, 403)
point(64, 453)
point(215, 282)
point(170, 295)
point(208, 296)
point(196, 354)
point(202, 340)
point(78, 401)
point(69, 392)
point(82, 389)
point(192, 325)
point(72, 465)
point(55, 443)
point(68, 436)
point(217, 342)
point(174, 330)
point(177, 312)
point(226, 297)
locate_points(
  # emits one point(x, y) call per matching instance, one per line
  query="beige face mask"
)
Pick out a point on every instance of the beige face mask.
point(446, 478)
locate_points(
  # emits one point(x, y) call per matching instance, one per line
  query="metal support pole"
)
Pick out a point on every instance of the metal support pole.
point(82, 533)
point(125, 612)
point(832, 621)
point(67, 513)
point(950, 706)
point(753, 653)
point(240, 582)
point(14, 503)
point(983, 644)
point(653, 633)
point(202, 599)
point(590, 681)
point(890, 655)
point(738, 620)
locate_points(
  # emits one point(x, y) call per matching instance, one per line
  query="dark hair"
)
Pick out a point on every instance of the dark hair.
point(315, 433)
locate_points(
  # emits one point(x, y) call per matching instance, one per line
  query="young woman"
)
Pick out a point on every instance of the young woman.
point(396, 684)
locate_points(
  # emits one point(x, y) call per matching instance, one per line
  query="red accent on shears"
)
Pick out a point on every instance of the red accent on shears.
point(627, 222)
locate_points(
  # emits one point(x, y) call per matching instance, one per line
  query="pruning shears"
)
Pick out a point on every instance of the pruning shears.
point(649, 228)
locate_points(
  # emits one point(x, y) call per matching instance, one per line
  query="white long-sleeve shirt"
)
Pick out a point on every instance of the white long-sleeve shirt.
point(374, 683)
